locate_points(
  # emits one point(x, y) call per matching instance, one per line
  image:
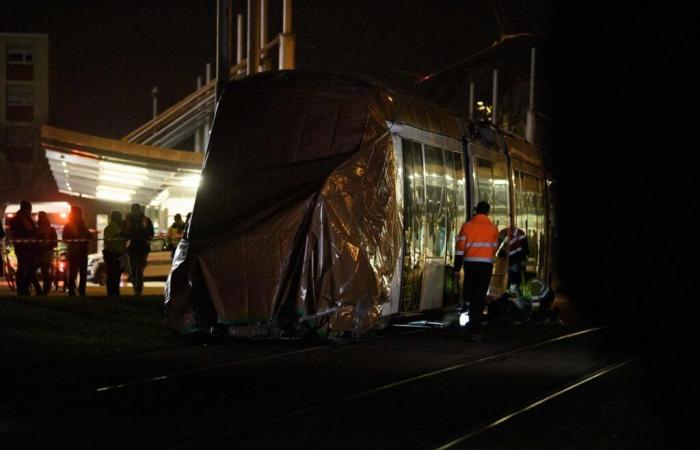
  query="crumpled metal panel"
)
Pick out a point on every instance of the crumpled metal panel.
point(296, 222)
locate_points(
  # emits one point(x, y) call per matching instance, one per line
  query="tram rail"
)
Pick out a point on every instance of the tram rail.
point(212, 439)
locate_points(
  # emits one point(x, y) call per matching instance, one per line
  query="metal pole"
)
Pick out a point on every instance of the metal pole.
point(471, 100)
point(253, 53)
point(240, 38)
point(287, 16)
point(205, 127)
point(530, 124)
point(495, 96)
point(287, 40)
point(229, 36)
point(198, 131)
point(154, 94)
point(264, 13)
point(223, 64)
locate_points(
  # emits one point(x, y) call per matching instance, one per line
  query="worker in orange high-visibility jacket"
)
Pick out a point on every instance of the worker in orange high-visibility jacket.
point(475, 250)
point(517, 252)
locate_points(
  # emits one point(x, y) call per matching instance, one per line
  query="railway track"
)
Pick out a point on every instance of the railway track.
point(262, 413)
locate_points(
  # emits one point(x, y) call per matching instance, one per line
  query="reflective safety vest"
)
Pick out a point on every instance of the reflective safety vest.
point(477, 240)
point(517, 247)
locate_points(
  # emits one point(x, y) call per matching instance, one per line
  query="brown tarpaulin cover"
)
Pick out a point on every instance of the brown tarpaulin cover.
point(296, 218)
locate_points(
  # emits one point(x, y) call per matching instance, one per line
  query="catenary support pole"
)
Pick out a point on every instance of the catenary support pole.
point(154, 95)
point(240, 39)
point(222, 42)
point(287, 39)
point(530, 124)
point(494, 111)
point(207, 122)
point(198, 147)
point(471, 100)
point(264, 14)
point(253, 50)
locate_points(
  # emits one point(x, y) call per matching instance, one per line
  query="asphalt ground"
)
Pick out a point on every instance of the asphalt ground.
point(404, 388)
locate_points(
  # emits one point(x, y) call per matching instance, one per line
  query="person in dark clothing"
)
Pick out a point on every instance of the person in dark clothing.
point(113, 252)
point(77, 237)
point(175, 234)
point(515, 248)
point(22, 227)
point(48, 240)
point(138, 229)
point(2, 236)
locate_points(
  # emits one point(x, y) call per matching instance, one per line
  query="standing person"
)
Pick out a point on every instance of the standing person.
point(22, 227)
point(517, 252)
point(138, 229)
point(114, 251)
point(175, 234)
point(475, 249)
point(2, 248)
point(78, 238)
point(48, 240)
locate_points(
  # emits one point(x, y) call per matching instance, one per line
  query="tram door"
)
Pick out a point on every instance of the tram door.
point(490, 172)
point(433, 211)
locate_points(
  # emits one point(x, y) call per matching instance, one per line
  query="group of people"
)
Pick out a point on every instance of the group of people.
point(477, 245)
point(126, 241)
point(137, 230)
point(34, 244)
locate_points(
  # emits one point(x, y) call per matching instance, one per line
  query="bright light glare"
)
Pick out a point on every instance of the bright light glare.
point(122, 180)
point(191, 181)
point(463, 319)
point(115, 189)
point(114, 196)
point(123, 175)
point(123, 168)
point(63, 215)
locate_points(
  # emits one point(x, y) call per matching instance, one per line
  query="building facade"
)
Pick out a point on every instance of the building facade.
point(24, 78)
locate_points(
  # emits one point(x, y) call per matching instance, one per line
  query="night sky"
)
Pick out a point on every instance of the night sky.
point(106, 56)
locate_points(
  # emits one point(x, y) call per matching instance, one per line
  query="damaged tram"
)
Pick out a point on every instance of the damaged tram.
point(330, 203)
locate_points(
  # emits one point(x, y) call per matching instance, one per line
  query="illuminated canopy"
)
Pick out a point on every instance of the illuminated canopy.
point(114, 170)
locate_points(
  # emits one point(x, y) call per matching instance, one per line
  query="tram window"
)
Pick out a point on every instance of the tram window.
point(530, 217)
point(461, 191)
point(414, 216)
point(492, 187)
point(451, 193)
point(435, 201)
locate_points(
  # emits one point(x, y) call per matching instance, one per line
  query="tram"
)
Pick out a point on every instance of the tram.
point(332, 203)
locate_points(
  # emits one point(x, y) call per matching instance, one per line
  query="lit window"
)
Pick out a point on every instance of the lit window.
point(20, 95)
point(20, 55)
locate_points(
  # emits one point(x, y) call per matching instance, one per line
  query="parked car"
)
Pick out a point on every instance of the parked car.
point(157, 266)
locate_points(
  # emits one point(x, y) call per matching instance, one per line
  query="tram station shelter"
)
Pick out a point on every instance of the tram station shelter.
point(115, 173)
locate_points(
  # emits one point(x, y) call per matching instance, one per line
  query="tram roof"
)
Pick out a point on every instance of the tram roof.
point(391, 104)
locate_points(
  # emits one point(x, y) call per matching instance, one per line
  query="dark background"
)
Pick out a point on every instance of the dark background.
point(106, 56)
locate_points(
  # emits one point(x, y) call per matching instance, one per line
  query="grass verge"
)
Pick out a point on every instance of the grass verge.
point(38, 331)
